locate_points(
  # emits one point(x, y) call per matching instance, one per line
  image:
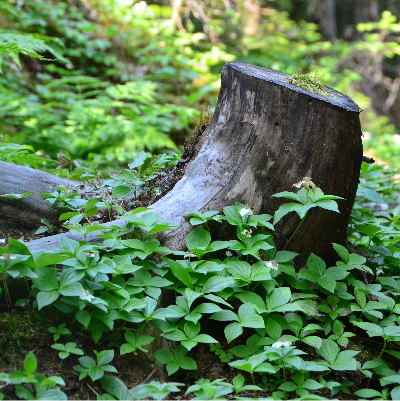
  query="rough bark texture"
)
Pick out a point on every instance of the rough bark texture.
point(265, 135)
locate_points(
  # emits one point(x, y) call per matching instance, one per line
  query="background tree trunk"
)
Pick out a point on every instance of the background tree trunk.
point(266, 135)
point(327, 19)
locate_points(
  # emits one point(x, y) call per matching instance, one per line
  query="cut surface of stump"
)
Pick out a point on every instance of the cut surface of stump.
point(266, 135)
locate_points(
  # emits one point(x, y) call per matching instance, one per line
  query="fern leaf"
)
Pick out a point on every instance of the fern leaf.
point(12, 43)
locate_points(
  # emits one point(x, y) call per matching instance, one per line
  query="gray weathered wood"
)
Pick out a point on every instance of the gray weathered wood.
point(30, 210)
point(265, 135)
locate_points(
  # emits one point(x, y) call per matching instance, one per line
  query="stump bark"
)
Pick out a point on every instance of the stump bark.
point(265, 135)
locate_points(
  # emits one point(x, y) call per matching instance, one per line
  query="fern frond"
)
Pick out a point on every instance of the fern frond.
point(8, 7)
point(12, 43)
point(17, 154)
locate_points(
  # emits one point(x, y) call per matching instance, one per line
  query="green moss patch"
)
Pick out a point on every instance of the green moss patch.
point(308, 83)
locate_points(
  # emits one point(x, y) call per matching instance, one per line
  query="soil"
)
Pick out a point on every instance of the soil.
point(22, 331)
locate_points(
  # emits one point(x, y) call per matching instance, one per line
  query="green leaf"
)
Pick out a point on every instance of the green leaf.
point(105, 357)
point(369, 229)
point(164, 356)
point(368, 393)
point(249, 318)
point(313, 341)
point(336, 273)
point(288, 386)
point(372, 329)
point(329, 350)
point(30, 364)
point(71, 290)
point(187, 363)
point(342, 252)
point(83, 317)
point(316, 264)
point(278, 297)
point(198, 239)
point(284, 256)
point(273, 329)
point(309, 275)
point(117, 388)
point(217, 284)
point(46, 298)
point(328, 204)
point(232, 331)
point(24, 393)
point(327, 283)
point(180, 272)
point(46, 279)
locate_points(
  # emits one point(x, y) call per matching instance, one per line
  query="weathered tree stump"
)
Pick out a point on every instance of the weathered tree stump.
point(266, 135)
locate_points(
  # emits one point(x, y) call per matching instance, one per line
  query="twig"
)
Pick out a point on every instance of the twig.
point(149, 376)
point(93, 389)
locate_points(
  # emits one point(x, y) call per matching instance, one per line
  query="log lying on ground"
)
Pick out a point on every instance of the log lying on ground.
point(27, 211)
point(266, 135)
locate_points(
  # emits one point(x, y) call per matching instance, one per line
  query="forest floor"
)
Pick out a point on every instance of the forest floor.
point(24, 331)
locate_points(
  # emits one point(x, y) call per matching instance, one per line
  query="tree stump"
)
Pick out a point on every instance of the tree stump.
point(266, 135)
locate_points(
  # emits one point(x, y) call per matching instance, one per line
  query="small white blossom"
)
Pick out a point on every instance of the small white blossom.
point(229, 254)
point(140, 6)
point(87, 296)
point(90, 254)
point(271, 264)
point(281, 343)
point(307, 183)
point(244, 211)
point(247, 233)
point(379, 271)
point(189, 255)
point(2, 241)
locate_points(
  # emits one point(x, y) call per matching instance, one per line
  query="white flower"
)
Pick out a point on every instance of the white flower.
point(2, 241)
point(229, 254)
point(271, 264)
point(379, 271)
point(189, 255)
point(307, 183)
point(281, 343)
point(87, 296)
point(247, 233)
point(90, 254)
point(140, 6)
point(244, 211)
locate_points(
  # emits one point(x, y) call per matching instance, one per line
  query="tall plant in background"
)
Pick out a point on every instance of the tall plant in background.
point(103, 105)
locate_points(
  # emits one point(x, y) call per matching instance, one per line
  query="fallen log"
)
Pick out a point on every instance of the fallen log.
point(27, 211)
point(265, 135)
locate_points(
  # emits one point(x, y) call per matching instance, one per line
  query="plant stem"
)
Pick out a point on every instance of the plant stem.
point(284, 372)
point(379, 357)
point(295, 231)
point(30, 292)
point(383, 349)
point(6, 293)
point(252, 376)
